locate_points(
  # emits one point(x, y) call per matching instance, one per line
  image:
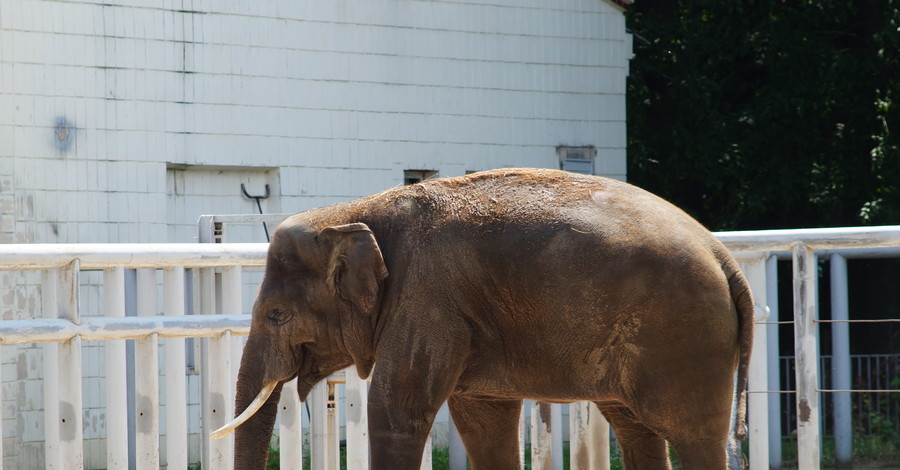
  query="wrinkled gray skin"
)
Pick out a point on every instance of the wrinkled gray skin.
point(498, 286)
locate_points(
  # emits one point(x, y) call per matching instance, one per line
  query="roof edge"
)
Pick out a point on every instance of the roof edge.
point(621, 4)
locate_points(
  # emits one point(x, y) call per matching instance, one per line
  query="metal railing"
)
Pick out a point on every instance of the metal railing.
point(63, 327)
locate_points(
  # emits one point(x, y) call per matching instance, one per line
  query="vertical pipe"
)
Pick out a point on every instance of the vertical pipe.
point(146, 382)
point(116, 390)
point(49, 305)
point(456, 449)
point(290, 428)
point(176, 390)
point(807, 353)
point(774, 368)
point(357, 421)
point(840, 363)
point(757, 403)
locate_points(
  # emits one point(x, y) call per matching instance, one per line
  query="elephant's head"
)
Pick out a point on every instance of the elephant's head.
point(310, 320)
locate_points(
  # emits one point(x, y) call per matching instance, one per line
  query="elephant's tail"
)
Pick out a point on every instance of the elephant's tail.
point(743, 303)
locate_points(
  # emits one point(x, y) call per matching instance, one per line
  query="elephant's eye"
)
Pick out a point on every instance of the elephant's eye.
point(279, 316)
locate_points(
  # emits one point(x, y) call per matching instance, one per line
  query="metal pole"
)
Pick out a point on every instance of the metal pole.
point(774, 368)
point(807, 357)
point(840, 363)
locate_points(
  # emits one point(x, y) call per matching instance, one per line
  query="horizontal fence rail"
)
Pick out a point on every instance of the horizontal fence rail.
point(221, 323)
point(113, 328)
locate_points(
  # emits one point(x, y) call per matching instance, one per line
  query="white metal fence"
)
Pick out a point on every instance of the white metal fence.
point(221, 322)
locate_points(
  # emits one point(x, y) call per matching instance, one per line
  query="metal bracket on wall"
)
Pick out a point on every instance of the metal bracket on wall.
point(258, 204)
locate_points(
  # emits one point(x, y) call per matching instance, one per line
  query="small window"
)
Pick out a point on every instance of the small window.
point(417, 176)
point(577, 159)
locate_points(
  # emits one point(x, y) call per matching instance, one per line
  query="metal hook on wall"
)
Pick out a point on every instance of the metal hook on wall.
point(258, 204)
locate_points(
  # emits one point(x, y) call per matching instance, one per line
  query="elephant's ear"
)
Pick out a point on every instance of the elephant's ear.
point(355, 265)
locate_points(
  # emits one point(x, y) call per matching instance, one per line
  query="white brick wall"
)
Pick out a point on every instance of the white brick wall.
point(333, 99)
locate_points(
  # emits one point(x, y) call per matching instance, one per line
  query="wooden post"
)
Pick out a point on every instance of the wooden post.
point(757, 403)
point(546, 452)
point(290, 428)
point(588, 437)
point(116, 387)
point(146, 380)
point(357, 421)
point(63, 405)
point(176, 390)
point(807, 357)
point(219, 404)
point(318, 439)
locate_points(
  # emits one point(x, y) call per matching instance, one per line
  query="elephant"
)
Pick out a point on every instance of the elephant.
point(490, 288)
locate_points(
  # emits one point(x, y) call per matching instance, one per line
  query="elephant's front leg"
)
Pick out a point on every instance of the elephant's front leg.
point(490, 431)
point(408, 389)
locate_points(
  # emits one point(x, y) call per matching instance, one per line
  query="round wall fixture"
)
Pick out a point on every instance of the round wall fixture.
point(63, 133)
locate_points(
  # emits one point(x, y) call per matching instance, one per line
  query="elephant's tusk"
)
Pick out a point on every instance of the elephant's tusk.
point(254, 406)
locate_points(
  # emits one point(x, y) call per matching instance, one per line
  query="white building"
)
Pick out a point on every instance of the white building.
point(124, 120)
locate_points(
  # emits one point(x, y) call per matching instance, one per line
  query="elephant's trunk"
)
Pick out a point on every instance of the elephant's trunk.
point(252, 438)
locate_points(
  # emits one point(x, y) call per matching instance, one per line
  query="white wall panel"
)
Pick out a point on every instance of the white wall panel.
point(341, 97)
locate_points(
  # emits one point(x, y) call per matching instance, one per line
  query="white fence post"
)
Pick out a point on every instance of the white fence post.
point(116, 387)
point(588, 437)
point(357, 399)
point(63, 428)
point(758, 415)
point(176, 390)
point(290, 428)
point(49, 281)
point(218, 404)
point(318, 438)
point(546, 450)
point(146, 378)
point(807, 357)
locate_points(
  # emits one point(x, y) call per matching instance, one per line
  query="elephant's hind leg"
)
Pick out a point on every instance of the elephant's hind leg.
point(489, 430)
point(642, 449)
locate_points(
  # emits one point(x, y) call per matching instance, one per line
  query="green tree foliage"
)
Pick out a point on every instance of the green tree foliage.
point(768, 114)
